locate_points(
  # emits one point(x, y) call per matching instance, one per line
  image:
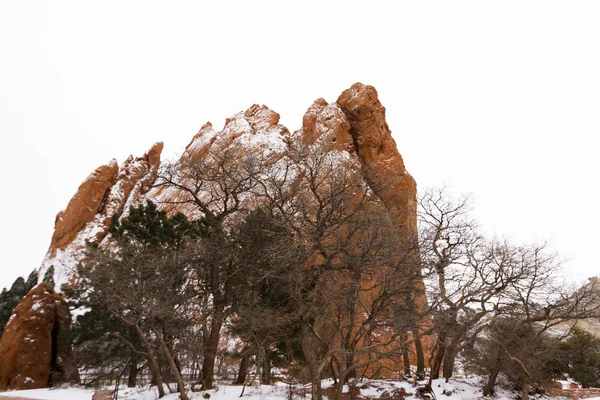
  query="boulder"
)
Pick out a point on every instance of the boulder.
point(35, 349)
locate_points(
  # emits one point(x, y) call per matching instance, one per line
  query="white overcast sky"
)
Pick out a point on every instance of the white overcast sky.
point(500, 99)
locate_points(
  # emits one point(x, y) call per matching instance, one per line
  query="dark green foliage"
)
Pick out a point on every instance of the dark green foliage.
point(32, 280)
point(267, 319)
point(49, 276)
point(134, 293)
point(9, 299)
point(149, 227)
point(519, 350)
point(96, 347)
point(579, 357)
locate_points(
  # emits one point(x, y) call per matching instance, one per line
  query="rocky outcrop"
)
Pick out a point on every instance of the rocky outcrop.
point(382, 163)
point(385, 172)
point(82, 208)
point(329, 121)
point(257, 130)
point(355, 124)
point(35, 350)
point(109, 190)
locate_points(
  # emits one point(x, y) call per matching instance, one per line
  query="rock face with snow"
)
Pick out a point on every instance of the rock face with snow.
point(355, 124)
point(107, 191)
point(35, 350)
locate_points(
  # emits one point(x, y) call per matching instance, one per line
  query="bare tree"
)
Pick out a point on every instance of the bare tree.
point(216, 188)
point(479, 285)
point(452, 252)
point(349, 275)
point(143, 293)
point(144, 283)
point(542, 310)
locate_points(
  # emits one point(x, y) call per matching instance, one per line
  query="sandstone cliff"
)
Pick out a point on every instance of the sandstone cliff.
point(35, 351)
point(109, 190)
point(355, 124)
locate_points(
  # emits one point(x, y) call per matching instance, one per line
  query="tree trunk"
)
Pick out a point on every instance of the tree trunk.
point(310, 352)
point(524, 381)
point(406, 360)
point(315, 389)
point(174, 368)
point(525, 390)
point(157, 376)
point(334, 370)
point(210, 350)
point(449, 360)
point(351, 372)
point(437, 362)
point(133, 371)
point(152, 364)
point(243, 372)
point(420, 359)
point(266, 369)
point(491, 383)
point(339, 389)
point(352, 388)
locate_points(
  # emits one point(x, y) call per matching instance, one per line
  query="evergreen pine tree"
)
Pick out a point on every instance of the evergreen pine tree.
point(32, 280)
point(5, 310)
point(9, 299)
point(579, 357)
point(100, 334)
point(94, 343)
point(49, 276)
point(149, 227)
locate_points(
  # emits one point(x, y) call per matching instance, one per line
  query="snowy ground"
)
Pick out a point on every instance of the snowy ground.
point(456, 389)
point(51, 394)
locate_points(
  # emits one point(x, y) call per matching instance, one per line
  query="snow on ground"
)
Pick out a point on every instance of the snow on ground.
point(51, 394)
point(224, 392)
point(456, 389)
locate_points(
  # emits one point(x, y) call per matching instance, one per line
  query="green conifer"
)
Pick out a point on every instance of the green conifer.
point(49, 276)
point(9, 299)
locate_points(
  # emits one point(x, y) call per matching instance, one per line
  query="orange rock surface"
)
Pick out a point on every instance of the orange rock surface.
point(106, 192)
point(355, 124)
point(384, 170)
point(84, 205)
point(33, 350)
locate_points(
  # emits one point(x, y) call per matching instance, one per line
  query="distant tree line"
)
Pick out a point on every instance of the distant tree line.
point(9, 299)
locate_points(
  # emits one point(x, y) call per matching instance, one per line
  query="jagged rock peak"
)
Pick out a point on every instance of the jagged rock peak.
point(257, 127)
point(84, 205)
point(106, 192)
point(382, 163)
point(355, 123)
point(326, 120)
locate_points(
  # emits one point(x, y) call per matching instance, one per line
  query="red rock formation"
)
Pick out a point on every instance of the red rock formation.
point(355, 123)
point(109, 190)
point(384, 171)
point(82, 208)
point(96, 195)
point(33, 352)
point(329, 121)
point(383, 166)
